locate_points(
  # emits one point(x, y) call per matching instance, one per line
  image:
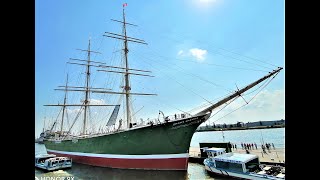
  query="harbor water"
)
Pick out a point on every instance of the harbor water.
point(195, 171)
point(258, 136)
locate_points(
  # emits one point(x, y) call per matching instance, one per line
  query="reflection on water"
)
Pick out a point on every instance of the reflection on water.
point(85, 172)
point(195, 171)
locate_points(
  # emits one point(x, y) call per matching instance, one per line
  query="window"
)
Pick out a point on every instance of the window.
point(221, 164)
point(235, 167)
point(252, 165)
point(230, 166)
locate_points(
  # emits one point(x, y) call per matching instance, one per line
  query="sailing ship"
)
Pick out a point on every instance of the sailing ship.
point(154, 146)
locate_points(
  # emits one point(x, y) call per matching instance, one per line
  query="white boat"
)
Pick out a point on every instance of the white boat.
point(51, 162)
point(237, 165)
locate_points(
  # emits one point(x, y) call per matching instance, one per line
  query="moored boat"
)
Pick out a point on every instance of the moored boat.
point(237, 165)
point(51, 162)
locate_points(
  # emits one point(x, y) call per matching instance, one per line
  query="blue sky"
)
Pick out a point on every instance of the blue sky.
point(192, 46)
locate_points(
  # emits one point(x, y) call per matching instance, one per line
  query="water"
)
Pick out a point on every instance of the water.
point(194, 172)
point(272, 135)
point(85, 172)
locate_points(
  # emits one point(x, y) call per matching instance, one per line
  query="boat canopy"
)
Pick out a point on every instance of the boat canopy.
point(235, 158)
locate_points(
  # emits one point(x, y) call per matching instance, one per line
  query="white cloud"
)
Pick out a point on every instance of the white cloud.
point(73, 111)
point(91, 102)
point(96, 102)
point(199, 54)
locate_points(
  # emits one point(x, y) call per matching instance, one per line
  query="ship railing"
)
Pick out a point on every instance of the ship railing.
point(178, 116)
point(154, 121)
point(174, 117)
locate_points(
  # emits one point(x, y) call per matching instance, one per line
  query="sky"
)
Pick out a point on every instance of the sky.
point(198, 51)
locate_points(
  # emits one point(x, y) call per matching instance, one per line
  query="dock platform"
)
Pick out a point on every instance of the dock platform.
point(275, 156)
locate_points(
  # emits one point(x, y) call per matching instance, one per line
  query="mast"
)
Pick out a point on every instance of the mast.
point(64, 107)
point(126, 70)
point(44, 124)
point(88, 63)
point(239, 92)
point(126, 76)
point(86, 92)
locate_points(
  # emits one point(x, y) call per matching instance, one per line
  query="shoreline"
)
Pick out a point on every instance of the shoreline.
point(240, 128)
point(276, 155)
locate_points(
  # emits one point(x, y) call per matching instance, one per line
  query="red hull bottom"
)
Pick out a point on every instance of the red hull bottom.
point(150, 164)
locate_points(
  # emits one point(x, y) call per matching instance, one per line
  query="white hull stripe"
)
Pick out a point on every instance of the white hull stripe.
point(120, 156)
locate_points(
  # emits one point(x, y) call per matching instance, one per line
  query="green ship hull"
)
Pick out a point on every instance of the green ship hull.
point(162, 146)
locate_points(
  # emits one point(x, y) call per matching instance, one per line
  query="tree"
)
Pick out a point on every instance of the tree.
point(238, 124)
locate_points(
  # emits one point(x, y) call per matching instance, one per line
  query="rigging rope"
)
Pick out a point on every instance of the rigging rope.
point(212, 64)
point(229, 51)
point(178, 82)
point(190, 74)
point(270, 79)
point(179, 41)
point(74, 121)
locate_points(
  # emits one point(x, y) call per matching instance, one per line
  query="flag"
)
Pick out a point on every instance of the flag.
point(125, 4)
